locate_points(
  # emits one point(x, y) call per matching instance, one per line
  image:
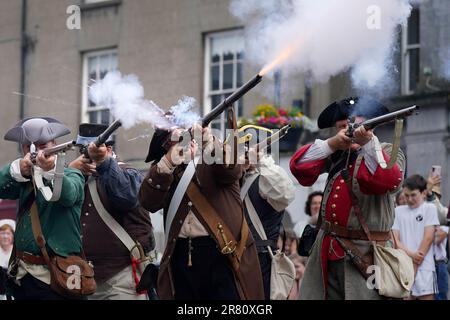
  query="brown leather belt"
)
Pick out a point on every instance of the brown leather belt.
point(30, 258)
point(343, 232)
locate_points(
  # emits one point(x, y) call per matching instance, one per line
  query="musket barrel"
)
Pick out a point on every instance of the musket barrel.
point(374, 122)
point(235, 96)
point(59, 148)
point(101, 139)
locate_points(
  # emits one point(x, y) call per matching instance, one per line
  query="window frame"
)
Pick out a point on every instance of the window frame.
point(405, 57)
point(85, 109)
point(208, 93)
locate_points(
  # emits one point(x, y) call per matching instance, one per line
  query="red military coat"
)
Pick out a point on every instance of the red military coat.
point(336, 205)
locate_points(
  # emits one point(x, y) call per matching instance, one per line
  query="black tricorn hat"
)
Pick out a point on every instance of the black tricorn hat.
point(36, 130)
point(156, 149)
point(353, 106)
point(88, 132)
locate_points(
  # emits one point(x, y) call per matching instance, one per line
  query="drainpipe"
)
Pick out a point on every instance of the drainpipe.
point(23, 56)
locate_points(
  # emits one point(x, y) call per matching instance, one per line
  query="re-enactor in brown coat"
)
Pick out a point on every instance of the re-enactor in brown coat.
point(192, 266)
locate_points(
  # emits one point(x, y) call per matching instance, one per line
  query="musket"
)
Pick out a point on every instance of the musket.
point(397, 116)
point(221, 107)
point(101, 139)
point(53, 150)
point(273, 138)
point(54, 193)
point(384, 119)
point(228, 101)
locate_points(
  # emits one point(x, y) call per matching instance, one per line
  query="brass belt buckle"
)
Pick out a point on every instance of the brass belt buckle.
point(229, 247)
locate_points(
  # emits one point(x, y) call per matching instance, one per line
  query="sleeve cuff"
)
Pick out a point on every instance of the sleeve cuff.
point(164, 166)
point(14, 171)
point(103, 167)
point(324, 147)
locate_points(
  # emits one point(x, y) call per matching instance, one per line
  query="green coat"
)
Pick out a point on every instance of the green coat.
point(60, 220)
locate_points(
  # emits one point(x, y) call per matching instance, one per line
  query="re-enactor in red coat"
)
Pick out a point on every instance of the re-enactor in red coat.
point(329, 273)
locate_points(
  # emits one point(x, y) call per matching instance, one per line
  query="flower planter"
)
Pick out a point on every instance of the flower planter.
point(290, 141)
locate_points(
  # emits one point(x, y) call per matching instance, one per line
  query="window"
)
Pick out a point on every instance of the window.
point(223, 71)
point(411, 53)
point(95, 66)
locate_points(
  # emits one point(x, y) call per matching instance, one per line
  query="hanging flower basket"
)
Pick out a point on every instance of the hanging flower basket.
point(268, 116)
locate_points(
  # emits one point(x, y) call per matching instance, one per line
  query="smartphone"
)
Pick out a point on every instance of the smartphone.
point(436, 170)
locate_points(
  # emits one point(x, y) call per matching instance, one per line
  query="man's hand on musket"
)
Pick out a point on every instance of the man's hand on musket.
point(97, 154)
point(83, 164)
point(340, 141)
point(26, 165)
point(45, 163)
point(362, 136)
point(183, 151)
point(202, 134)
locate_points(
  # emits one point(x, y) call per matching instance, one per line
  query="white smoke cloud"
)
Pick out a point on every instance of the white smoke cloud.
point(328, 36)
point(124, 96)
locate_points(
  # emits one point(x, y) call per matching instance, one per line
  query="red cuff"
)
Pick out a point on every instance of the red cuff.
point(382, 181)
point(306, 173)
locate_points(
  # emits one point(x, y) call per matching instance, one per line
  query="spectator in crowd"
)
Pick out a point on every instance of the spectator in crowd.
point(299, 263)
point(7, 227)
point(290, 243)
point(440, 236)
point(308, 232)
point(413, 229)
point(400, 199)
point(312, 206)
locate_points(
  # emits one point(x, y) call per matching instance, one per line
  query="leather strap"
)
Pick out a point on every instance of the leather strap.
point(342, 232)
point(30, 258)
point(112, 224)
point(362, 262)
point(355, 202)
point(37, 232)
point(179, 194)
point(221, 234)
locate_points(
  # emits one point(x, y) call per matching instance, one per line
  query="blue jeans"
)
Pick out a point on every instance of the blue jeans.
point(442, 280)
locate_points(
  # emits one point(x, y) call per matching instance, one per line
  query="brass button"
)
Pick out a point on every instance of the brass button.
point(333, 206)
point(335, 196)
point(150, 180)
point(350, 166)
point(338, 188)
point(190, 204)
point(335, 222)
point(342, 181)
point(158, 186)
point(333, 215)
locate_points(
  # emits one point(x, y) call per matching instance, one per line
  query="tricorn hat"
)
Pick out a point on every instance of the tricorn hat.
point(36, 130)
point(156, 149)
point(341, 110)
point(88, 132)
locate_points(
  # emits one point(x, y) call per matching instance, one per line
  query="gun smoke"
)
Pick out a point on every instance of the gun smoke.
point(124, 96)
point(325, 37)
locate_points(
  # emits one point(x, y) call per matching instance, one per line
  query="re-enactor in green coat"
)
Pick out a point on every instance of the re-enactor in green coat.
point(60, 220)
